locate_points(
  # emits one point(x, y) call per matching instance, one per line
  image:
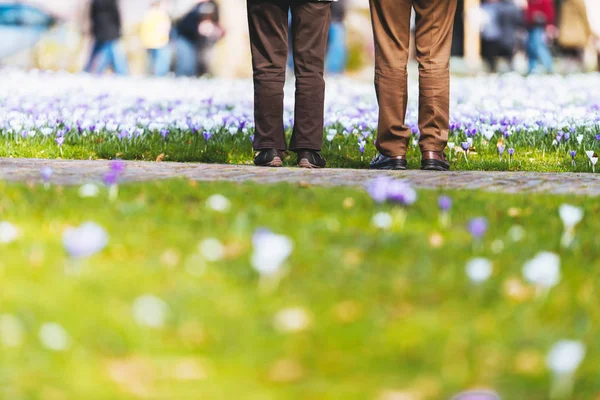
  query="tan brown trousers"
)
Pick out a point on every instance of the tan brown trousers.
point(391, 27)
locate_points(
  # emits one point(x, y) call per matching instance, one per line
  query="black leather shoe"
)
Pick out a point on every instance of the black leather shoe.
point(385, 162)
point(269, 158)
point(434, 161)
point(311, 159)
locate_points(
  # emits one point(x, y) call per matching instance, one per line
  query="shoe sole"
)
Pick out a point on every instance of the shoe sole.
point(304, 163)
point(391, 167)
point(277, 162)
point(434, 166)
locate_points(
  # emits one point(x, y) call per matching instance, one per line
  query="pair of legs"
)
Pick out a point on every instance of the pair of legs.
point(391, 26)
point(268, 22)
point(492, 50)
point(108, 54)
point(538, 50)
point(159, 60)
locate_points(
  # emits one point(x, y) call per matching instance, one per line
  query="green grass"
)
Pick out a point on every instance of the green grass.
point(533, 153)
point(389, 310)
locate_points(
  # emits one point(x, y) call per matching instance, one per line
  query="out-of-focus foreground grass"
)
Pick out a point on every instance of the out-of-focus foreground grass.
point(172, 308)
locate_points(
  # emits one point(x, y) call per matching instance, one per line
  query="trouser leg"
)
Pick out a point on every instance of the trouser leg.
point(187, 54)
point(391, 29)
point(434, 27)
point(118, 58)
point(268, 25)
point(310, 29)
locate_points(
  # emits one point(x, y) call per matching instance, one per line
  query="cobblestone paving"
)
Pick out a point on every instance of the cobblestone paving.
point(78, 172)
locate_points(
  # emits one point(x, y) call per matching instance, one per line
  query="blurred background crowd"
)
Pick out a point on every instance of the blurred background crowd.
point(209, 37)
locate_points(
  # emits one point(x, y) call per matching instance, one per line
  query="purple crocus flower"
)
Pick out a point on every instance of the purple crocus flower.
point(207, 135)
point(164, 133)
point(46, 173)
point(111, 178)
point(445, 203)
point(598, 137)
point(501, 149)
point(511, 152)
point(378, 189)
point(465, 146)
point(117, 166)
point(361, 146)
point(477, 227)
point(60, 140)
point(402, 193)
point(573, 153)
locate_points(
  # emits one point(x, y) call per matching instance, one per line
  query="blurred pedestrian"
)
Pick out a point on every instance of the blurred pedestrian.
point(155, 34)
point(511, 21)
point(574, 29)
point(337, 50)
point(106, 29)
point(593, 13)
point(433, 29)
point(268, 25)
point(198, 32)
point(540, 18)
point(491, 33)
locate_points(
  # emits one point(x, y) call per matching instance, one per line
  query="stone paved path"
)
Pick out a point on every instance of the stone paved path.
point(78, 172)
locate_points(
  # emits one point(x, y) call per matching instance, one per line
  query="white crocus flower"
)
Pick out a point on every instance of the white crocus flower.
point(579, 139)
point(331, 133)
point(383, 220)
point(590, 154)
point(270, 251)
point(479, 270)
point(11, 331)
point(87, 240)
point(451, 145)
point(8, 232)
point(218, 203)
point(565, 357)
point(543, 270)
point(54, 337)
point(292, 320)
point(88, 190)
point(150, 311)
point(570, 215)
point(212, 249)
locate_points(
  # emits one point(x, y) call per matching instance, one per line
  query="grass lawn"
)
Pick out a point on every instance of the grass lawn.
point(532, 153)
point(360, 312)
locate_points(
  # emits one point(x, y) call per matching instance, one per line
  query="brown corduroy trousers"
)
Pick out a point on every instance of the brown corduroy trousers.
point(269, 32)
point(391, 27)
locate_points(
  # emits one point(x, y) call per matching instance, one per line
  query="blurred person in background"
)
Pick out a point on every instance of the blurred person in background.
point(198, 32)
point(511, 22)
point(540, 17)
point(593, 13)
point(491, 33)
point(106, 29)
point(499, 31)
point(337, 50)
point(574, 30)
point(155, 34)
